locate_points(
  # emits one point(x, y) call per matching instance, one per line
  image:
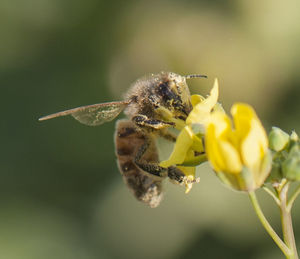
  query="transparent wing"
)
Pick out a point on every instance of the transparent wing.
point(92, 115)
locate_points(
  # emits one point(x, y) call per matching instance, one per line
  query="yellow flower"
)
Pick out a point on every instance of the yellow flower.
point(188, 150)
point(239, 155)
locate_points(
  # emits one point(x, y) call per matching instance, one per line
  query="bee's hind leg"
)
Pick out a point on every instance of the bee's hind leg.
point(168, 135)
point(175, 174)
point(153, 168)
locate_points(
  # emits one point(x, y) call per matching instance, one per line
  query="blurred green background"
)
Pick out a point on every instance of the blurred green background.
point(61, 193)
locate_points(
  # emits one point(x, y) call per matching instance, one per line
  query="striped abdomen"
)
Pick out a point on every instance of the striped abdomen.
point(128, 140)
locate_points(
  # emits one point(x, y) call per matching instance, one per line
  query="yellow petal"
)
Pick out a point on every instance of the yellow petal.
point(242, 115)
point(251, 134)
point(197, 144)
point(196, 98)
point(192, 160)
point(201, 111)
point(253, 147)
point(212, 149)
point(182, 145)
point(231, 157)
point(222, 154)
point(222, 123)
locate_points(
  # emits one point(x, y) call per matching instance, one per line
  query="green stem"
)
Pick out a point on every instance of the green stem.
point(286, 221)
point(272, 194)
point(293, 198)
point(267, 226)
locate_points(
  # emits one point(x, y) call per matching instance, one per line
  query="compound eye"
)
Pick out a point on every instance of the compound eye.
point(165, 91)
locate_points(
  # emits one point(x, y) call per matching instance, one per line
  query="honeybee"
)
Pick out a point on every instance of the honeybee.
point(153, 105)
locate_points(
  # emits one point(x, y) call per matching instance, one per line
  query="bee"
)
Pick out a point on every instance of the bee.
point(153, 105)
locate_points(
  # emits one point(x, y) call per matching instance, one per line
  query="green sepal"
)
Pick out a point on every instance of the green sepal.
point(242, 181)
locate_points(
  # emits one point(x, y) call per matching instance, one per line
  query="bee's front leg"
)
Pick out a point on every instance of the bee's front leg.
point(144, 121)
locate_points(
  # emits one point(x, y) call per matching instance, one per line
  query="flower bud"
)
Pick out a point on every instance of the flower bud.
point(286, 158)
point(278, 139)
point(294, 136)
point(291, 166)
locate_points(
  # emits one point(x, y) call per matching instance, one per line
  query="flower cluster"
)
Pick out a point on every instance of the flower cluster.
point(242, 156)
point(236, 149)
point(286, 156)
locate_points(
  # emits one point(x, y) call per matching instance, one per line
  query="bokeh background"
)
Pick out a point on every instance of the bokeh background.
point(61, 195)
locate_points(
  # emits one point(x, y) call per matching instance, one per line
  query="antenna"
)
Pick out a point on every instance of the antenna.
point(195, 76)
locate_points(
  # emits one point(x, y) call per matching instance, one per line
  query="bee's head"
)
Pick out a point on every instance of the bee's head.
point(175, 94)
